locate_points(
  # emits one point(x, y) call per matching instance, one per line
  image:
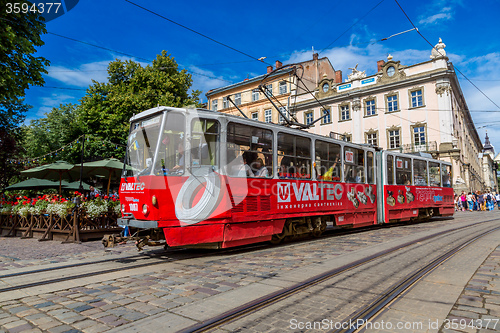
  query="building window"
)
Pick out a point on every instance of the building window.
point(327, 117)
point(394, 139)
point(347, 137)
point(280, 117)
point(344, 112)
point(419, 135)
point(392, 103)
point(416, 98)
point(268, 116)
point(255, 115)
point(283, 87)
point(237, 99)
point(370, 107)
point(269, 90)
point(214, 104)
point(225, 103)
point(255, 95)
point(371, 139)
point(309, 117)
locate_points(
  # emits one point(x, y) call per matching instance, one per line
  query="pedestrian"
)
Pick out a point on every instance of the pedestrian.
point(470, 203)
point(489, 201)
point(497, 198)
point(463, 198)
point(480, 201)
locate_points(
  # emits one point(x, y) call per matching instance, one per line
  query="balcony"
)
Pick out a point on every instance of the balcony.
point(425, 148)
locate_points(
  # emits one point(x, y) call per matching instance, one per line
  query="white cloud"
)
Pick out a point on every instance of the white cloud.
point(83, 75)
point(432, 19)
point(437, 12)
point(205, 80)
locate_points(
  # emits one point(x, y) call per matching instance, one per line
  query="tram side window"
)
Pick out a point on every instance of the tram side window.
point(328, 161)
point(354, 165)
point(370, 167)
point(142, 143)
point(390, 170)
point(434, 174)
point(170, 159)
point(419, 172)
point(294, 156)
point(249, 151)
point(403, 171)
point(446, 175)
point(204, 143)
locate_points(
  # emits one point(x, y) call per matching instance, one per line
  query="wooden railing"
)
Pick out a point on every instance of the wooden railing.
point(74, 227)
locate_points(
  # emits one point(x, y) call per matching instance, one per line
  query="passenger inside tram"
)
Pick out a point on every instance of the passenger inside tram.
point(261, 169)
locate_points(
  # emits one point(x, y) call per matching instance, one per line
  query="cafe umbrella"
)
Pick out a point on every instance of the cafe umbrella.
point(110, 167)
point(54, 171)
point(33, 183)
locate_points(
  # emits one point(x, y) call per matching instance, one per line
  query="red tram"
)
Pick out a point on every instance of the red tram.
point(198, 178)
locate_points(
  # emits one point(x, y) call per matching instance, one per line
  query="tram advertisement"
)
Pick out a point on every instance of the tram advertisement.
point(297, 195)
point(402, 201)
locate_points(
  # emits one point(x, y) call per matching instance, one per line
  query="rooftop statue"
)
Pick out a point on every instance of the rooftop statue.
point(356, 75)
point(438, 50)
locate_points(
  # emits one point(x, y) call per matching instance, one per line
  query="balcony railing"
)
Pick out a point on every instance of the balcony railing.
point(412, 148)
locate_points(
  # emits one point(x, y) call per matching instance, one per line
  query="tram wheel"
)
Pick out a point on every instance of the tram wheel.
point(278, 238)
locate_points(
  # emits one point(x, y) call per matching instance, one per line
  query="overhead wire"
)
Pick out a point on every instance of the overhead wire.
point(196, 32)
point(352, 25)
point(458, 70)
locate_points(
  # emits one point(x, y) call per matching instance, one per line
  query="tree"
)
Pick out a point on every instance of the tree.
point(131, 88)
point(59, 128)
point(19, 36)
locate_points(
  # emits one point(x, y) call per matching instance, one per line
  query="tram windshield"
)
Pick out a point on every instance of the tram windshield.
point(145, 139)
point(141, 146)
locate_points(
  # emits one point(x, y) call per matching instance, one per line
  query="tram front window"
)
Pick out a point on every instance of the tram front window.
point(141, 145)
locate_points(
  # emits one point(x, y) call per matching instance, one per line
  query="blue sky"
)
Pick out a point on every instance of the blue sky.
point(285, 31)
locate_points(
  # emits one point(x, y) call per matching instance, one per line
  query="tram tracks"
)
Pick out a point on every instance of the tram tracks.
point(367, 312)
point(34, 278)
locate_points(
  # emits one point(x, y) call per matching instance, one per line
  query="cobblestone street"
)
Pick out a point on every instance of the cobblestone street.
point(149, 297)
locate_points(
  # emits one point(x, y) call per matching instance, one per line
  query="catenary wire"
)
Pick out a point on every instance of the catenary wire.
point(196, 32)
point(458, 70)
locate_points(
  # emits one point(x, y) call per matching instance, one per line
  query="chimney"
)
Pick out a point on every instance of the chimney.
point(278, 64)
point(269, 69)
point(380, 64)
point(315, 56)
point(338, 76)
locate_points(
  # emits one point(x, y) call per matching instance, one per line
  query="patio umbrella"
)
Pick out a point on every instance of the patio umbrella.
point(55, 171)
point(110, 167)
point(75, 185)
point(33, 183)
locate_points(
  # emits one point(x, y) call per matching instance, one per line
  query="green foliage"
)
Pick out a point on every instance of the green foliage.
point(104, 113)
point(19, 36)
point(58, 128)
point(107, 107)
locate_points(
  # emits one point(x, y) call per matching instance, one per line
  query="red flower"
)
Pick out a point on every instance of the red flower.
point(97, 195)
point(15, 203)
point(25, 197)
point(106, 197)
point(114, 199)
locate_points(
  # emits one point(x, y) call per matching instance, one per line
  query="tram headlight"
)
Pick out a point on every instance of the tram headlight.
point(154, 201)
point(145, 209)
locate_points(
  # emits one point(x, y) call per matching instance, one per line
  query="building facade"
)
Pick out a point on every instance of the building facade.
point(282, 85)
point(416, 108)
point(409, 109)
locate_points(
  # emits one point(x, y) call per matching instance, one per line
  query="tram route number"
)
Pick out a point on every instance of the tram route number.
point(133, 207)
point(42, 7)
point(462, 324)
